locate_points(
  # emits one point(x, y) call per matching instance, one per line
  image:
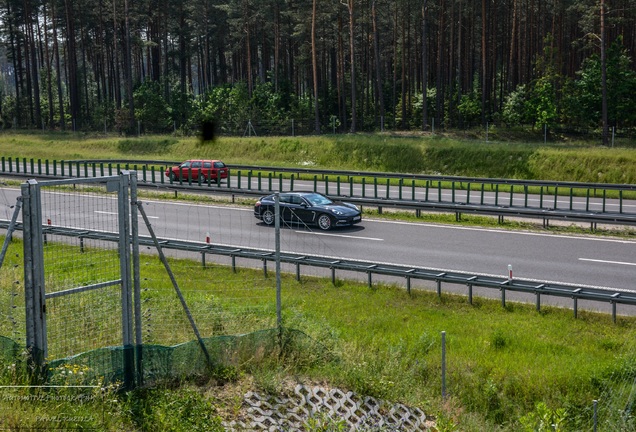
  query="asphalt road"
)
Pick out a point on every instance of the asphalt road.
point(586, 260)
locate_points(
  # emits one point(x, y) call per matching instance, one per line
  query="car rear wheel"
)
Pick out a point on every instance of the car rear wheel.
point(324, 222)
point(268, 217)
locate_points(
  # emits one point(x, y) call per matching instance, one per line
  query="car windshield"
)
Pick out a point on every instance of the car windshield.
point(317, 199)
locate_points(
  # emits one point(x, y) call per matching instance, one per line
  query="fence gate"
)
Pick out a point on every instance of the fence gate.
point(79, 287)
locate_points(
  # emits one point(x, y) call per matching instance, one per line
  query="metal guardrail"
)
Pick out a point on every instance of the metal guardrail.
point(503, 204)
point(575, 292)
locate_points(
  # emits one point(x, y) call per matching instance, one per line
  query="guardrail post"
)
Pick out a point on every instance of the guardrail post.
point(364, 188)
point(439, 191)
point(571, 198)
point(556, 194)
point(280, 182)
point(426, 193)
point(24, 164)
point(269, 181)
point(94, 166)
point(333, 276)
point(412, 190)
point(400, 184)
point(10, 165)
point(604, 198)
point(291, 183)
point(315, 183)
point(338, 185)
point(350, 186)
point(369, 279)
point(538, 303)
point(3, 165)
point(470, 294)
point(110, 169)
point(249, 180)
point(482, 194)
point(375, 187)
point(39, 166)
point(439, 287)
point(408, 285)
point(576, 307)
point(77, 164)
point(265, 268)
point(512, 192)
point(238, 179)
point(46, 164)
point(453, 192)
point(497, 194)
point(233, 263)
point(54, 167)
point(259, 181)
point(541, 197)
point(620, 201)
point(298, 271)
point(70, 169)
point(101, 169)
point(587, 200)
point(525, 199)
point(613, 312)
point(326, 185)
point(503, 297)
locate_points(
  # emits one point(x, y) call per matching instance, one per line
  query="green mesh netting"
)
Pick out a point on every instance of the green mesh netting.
point(157, 362)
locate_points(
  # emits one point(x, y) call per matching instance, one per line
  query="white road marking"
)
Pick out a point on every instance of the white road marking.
point(114, 213)
point(607, 262)
point(340, 235)
point(504, 231)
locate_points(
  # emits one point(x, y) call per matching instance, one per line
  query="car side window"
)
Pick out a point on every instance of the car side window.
point(185, 165)
point(219, 165)
point(285, 198)
point(297, 200)
point(207, 164)
point(196, 165)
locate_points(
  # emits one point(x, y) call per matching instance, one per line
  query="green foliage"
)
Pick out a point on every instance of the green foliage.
point(621, 88)
point(544, 419)
point(151, 109)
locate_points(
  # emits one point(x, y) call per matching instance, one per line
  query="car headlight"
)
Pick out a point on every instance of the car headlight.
point(338, 212)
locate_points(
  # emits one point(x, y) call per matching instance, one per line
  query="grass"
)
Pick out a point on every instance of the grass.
point(376, 341)
point(414, 153)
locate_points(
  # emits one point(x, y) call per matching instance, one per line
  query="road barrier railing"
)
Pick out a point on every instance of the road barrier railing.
point(546, 200)
point(575, 292)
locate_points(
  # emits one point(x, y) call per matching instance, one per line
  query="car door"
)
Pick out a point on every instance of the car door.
point(195, 170)
point(304, 210)
point(287, 210)
point(184, 170)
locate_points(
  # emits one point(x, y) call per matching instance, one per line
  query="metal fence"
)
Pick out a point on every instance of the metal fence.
point(582, 202)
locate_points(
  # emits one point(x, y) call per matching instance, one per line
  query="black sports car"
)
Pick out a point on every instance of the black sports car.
point(307, 208)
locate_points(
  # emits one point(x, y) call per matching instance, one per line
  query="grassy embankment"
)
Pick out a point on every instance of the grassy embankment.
point(381, 341)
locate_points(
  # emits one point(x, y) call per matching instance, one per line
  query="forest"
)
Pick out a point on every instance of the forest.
point(323, 66)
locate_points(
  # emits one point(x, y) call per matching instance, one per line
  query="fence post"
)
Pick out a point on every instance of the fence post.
point(34, 279)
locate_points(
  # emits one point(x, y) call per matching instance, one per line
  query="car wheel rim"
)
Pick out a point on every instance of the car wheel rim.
point(324, 222)
point(268, 217)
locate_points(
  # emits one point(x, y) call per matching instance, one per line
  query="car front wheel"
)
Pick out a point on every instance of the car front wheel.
point(324, 222)
point(268, 217)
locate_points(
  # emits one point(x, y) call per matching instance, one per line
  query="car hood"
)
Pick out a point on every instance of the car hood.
point(345, 208)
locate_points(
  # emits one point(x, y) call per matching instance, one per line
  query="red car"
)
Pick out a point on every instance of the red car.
point(214, 170)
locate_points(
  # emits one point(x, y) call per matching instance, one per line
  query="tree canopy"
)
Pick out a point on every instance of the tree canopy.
point(328, 64)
